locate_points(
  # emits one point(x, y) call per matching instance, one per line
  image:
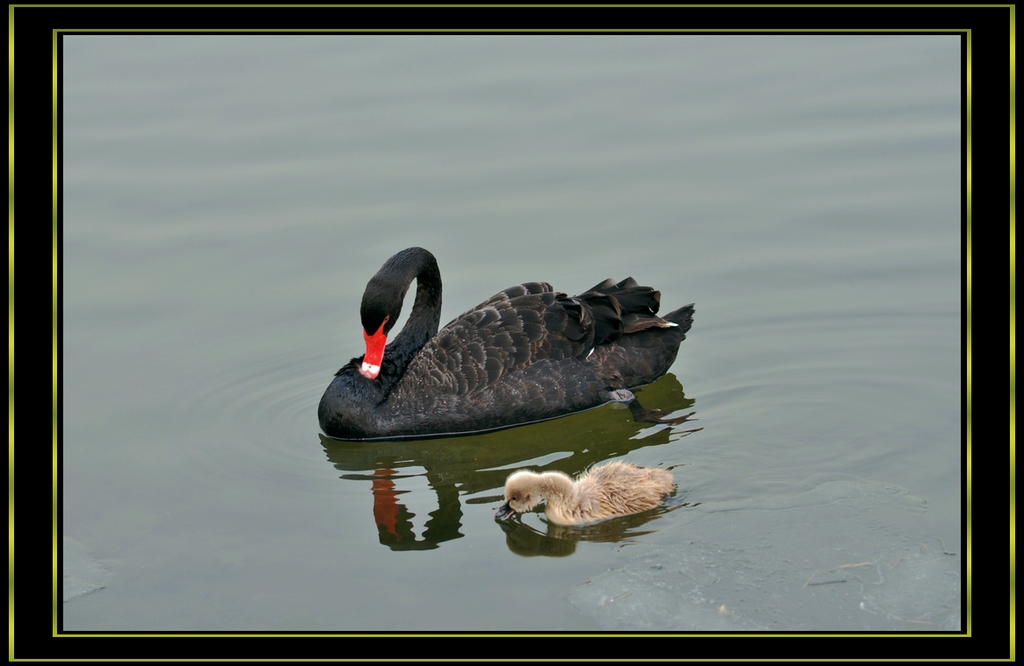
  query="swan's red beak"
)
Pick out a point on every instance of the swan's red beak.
point(374, 352)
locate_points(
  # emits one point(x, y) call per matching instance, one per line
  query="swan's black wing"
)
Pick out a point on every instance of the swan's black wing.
point(512, 329)
point(528, 327)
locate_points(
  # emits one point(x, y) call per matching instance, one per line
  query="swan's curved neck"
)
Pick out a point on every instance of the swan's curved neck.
point(394, 279)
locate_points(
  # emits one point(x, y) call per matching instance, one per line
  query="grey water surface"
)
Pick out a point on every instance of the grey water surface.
point(226, 198)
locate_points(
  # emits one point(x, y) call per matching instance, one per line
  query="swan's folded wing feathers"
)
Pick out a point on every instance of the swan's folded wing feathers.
point(621, 308)
point(531, 323)
point(606, 315)
point(514, 328)
point(539, 326)
point(570, 318)
point(634, 298)
point(515, 291)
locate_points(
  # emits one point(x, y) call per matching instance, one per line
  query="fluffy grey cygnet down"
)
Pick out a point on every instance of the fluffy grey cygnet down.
point(613, 489)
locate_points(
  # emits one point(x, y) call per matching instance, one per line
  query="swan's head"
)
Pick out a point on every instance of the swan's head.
point(382, 304)
point(524, 490)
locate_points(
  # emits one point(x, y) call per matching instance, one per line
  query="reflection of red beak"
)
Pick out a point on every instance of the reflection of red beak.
point(374, 352)
point(385, 502)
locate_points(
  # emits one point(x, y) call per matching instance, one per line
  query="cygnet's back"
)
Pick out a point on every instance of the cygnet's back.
point(614, 489)
point(618, 489)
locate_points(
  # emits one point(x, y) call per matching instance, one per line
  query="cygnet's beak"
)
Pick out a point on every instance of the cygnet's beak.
point(504, 512)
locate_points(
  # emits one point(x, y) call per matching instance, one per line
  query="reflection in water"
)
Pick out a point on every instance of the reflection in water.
point(561, 540)
point(394, 520)
point(480, 463)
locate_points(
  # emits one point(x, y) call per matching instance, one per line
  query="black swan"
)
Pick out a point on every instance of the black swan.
point(526, 354)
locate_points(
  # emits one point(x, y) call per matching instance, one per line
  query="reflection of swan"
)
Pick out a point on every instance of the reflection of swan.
point(526, 354)
point(613, 489)
point(471, 470)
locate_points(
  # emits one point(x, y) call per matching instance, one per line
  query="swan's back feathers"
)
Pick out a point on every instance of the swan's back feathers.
point(619, 489)
point(511, 330)
point(530, 323)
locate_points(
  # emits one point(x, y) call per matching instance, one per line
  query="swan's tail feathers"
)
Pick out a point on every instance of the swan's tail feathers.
point(683, 317)
point(627, 307)
point(631, 297)
point(623, 307)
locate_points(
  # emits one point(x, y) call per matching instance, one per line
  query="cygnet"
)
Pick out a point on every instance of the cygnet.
point(613, 489)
